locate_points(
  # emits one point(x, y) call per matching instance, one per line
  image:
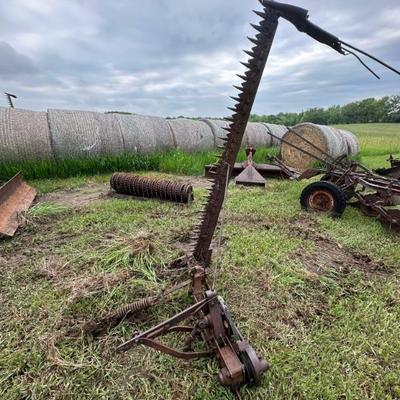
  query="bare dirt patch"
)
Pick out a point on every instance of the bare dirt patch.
point(80, 197)
point(77, 198)
point(330, 254)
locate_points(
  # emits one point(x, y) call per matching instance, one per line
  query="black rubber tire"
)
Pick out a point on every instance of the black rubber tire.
point(339, 199)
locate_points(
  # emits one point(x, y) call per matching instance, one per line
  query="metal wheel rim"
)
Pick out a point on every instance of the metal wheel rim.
point(321, 201)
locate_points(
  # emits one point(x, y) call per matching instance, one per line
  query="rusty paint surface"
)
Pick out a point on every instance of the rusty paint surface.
point(141, 186)
point(16, 196)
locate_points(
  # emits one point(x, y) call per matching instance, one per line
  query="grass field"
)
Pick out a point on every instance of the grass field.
point(319, 298)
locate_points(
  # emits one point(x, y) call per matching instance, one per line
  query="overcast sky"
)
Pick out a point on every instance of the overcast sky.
point(179, 57)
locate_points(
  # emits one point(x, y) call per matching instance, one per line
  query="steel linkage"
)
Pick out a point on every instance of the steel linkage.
point(141, 186)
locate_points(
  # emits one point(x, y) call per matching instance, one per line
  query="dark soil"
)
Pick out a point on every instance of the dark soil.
point(330, 254)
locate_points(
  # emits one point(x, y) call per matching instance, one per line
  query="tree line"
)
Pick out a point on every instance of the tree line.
point(385, 109)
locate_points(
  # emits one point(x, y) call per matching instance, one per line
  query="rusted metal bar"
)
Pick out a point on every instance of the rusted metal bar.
point(16, 196)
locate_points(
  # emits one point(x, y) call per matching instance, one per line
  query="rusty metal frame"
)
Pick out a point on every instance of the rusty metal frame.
point(16, 196)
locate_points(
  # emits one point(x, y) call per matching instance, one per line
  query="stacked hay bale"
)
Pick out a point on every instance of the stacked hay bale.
point(144, 134)
point(277, 131)
point(218, 128)
point(24, 135)
point(331, 141)
point(30, 135)
point(191, 135)
point(74, 133)
point(110, 134)
point(256, 135)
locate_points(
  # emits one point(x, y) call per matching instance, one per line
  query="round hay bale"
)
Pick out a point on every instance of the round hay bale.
point(276, 130)
point(353, 146)
point(192, 135)
point(217, 126)
point(24, 135)
point(256, 135)
point(74, 133)
point(329, 140)
point(110, 134)
point(145, 134)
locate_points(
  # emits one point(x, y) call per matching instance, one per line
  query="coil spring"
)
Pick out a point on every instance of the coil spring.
point(141, 186)
point(134, 307)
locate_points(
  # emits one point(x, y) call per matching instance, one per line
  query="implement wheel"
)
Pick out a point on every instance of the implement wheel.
point(323, 197)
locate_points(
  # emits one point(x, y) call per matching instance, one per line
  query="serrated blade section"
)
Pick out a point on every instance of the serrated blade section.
point(241, 113)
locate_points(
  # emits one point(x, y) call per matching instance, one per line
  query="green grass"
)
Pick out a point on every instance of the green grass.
point(175, 162)
point(328, 333)
point(377, 142)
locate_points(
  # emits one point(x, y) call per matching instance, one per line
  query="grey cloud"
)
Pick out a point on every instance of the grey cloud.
point(179, 58)
point(13, 63)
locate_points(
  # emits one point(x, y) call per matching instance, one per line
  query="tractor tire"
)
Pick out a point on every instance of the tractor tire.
point(323, 197)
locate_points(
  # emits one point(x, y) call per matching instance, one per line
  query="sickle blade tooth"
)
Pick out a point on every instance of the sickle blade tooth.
point(252, 40)
point(234, 109)
point(257, 27)
point(247, 65)
point(260, 13)
point(249, 53)
point(235, 98)
point(240, 88)
point(243, 77)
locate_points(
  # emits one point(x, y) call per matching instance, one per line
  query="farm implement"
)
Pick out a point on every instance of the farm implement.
point(134, 185)
point(16, 196)
point(393, 171)
point(344, 180)
point(250, 173)
point(208, 323)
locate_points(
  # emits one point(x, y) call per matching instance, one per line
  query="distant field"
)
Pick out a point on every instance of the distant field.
point(377, 141)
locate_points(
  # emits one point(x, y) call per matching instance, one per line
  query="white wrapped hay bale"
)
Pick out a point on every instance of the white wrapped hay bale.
point(192, 135)
point(145, 134)
point(217, 127)
point(256, 135)
point(332, 141)
point(75, 133)
point(24, 135)
point(276, 130)
point(110, 134)
point(353, 147)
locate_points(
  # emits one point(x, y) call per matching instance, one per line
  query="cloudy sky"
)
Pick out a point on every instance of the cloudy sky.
point(179, 57)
